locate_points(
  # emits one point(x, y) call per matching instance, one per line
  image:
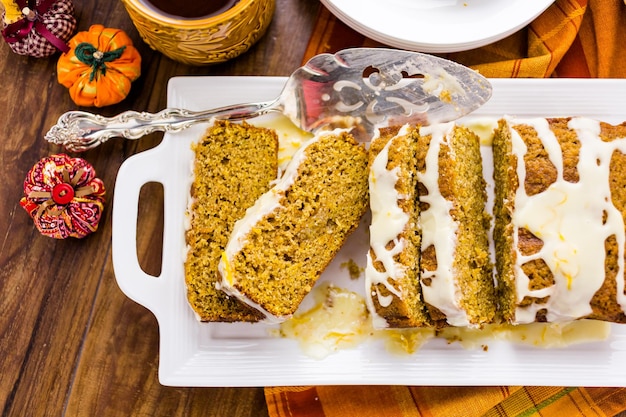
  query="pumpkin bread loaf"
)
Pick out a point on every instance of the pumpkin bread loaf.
point(392, 277)
point(560, 208)
point(234, 165)
point(255, 252)
point(280, 248)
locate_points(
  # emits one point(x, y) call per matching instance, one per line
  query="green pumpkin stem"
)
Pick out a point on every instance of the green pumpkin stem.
point(90, 55)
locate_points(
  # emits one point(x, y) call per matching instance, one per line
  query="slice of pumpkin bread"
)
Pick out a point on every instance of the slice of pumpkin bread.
point(392, 277)
point(281, 247)
point(234, 164)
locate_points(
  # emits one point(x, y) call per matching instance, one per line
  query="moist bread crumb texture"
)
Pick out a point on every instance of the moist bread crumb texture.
point(304, 222)
point(456, 270)
point(234, 165)
point(463, 168)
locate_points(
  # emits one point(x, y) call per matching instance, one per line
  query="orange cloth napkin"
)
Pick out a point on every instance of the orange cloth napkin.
point(572, 38)
point(399, 401)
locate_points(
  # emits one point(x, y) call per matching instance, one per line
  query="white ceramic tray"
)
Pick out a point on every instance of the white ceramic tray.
point(437, 25)
point(201, 354)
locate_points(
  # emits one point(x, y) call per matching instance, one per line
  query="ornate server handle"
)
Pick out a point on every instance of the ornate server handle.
point(79, 131)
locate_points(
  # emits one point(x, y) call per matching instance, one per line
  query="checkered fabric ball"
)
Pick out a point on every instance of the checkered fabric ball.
point(43, 28)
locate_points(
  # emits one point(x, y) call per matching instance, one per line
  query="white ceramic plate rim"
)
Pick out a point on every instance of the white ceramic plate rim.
point(218, 354)
point(437, 25)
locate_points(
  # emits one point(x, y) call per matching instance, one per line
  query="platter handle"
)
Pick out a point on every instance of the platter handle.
point(138, 285)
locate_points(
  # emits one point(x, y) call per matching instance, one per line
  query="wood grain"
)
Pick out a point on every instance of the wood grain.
point(71, 344)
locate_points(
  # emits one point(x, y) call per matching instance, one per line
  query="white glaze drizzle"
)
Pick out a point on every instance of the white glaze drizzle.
point(439, 230)
point(568, 217)
point(388, 222)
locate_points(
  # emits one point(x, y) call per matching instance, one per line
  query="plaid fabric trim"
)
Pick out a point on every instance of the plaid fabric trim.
point(572, 38)
point(59, 21)
point(392, 401)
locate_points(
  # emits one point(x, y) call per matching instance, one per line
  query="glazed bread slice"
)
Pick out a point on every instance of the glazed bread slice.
point(280, 248)
point(392, 277)
point(456, 268)
point(234, 164)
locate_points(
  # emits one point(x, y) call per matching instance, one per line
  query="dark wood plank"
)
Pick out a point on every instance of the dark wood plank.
point(71, 343)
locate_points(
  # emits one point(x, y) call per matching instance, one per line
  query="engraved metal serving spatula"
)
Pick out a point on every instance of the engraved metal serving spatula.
point(360, 87)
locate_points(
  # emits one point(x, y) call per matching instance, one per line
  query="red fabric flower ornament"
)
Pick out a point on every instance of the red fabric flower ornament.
point(38, 28)
point(64, 197)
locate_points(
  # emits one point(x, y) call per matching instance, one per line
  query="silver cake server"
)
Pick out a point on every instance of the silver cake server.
point(360, 87)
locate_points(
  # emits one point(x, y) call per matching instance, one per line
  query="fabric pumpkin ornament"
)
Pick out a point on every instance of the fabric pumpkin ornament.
point(38, 28)
point(99, 67)
point(64, 197)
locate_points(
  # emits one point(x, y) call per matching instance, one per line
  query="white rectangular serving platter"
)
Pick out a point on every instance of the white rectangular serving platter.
point(220, 354)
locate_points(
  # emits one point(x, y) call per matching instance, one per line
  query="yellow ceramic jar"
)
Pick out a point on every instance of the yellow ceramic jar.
point(205, 40)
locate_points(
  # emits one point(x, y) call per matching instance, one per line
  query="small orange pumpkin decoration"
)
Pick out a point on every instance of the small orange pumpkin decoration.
point(99, 67)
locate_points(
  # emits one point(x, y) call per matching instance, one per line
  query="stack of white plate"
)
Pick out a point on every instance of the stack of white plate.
point(436, 25)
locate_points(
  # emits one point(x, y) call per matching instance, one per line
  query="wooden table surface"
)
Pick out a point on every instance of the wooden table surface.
point(72, 344)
